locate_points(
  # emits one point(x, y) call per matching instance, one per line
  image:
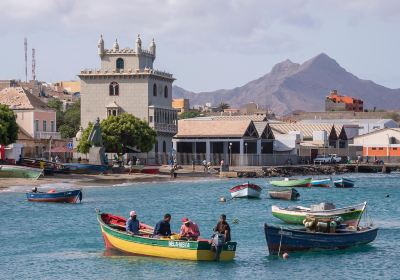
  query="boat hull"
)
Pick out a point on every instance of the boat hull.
point(164, 248)
point(322, 183)
point(13, 171)
point(72, 196)
point(350, 215)
point(282, 240)
point(290, 194)
point(299, 183)
point(246, 190)
point(343, 183)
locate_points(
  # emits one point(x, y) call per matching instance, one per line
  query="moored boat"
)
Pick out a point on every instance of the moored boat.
point(14, 171)
point(83, 168)
point(292, 183)
point(282, 240)
point(116, 238)
point(324, 183)
point(290, 194)
point(246, 190)
point(351, 215)
point(343, 183)
point(68, 196)
point(151, 169)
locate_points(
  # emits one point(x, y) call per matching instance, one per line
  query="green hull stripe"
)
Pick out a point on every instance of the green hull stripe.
point(298, 218)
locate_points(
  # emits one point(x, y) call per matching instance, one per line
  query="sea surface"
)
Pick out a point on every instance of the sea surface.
point(63, 241)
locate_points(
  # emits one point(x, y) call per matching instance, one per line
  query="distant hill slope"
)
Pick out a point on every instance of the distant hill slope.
point(292, 86)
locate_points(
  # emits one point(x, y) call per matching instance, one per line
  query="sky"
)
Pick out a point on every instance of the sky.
point(207, 45)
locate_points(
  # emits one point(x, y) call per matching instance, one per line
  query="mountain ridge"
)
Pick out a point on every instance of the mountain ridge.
point(293, 86)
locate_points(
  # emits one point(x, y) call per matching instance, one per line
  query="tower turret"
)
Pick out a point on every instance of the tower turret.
point(152, 47)
point(116, 46)
point(138, 47)
point(100, 46)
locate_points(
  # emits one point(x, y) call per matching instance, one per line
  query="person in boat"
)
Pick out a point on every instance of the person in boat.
point(34, 190)
point(189, 230)
point(163, 227)
point(223, 228)
point(132, 224)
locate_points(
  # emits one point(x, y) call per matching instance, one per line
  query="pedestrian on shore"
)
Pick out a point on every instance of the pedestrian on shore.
point(137, 161)
point(130, 164)
point(205, 166)
point(193, 166)
point(221, 165)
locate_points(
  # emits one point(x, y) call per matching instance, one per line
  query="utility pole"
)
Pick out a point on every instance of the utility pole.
point(26, 58)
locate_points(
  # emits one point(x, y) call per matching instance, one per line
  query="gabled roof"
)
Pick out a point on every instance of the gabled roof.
point(306, 129)
point(17, 98)
point(254, 118)
point(264, 130)
point(196, 128)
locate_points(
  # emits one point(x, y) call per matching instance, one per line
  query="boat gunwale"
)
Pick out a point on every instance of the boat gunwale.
point(324, 212)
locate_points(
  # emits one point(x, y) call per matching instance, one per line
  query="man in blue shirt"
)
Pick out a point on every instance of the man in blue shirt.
point(163, 228)
point(132, 224)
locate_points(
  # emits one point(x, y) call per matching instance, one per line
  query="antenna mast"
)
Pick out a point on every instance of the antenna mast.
point(26, 59)
point(33, 65)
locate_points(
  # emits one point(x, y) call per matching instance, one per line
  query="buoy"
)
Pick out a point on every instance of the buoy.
point(222, 199)
point(235, 221)
point(285, 256)
point(387, 195)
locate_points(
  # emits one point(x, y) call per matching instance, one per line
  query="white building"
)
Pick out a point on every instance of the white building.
point(127, 83)
point(355, 127)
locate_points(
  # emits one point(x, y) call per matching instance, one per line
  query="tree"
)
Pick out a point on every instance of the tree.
point(123, 129)
point(222, 106)
point(68, 121)
point(392, 115)
point(127, 130)
point(8, 126)
point(84, 145)
point(189, 115)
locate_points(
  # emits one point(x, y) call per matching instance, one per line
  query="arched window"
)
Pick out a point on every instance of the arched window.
point(154, 90)
point(166, 92)
point(120, 64)
point(164, 147)
point(114, 89)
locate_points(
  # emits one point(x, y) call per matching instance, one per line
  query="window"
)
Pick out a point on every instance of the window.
point(112, 112)
point(164, 147)
point(150, 119)
point(394, 149)
point(154, 90)
point(380, 149)
point(156, 147)
point(114, 89)
point(36, 125)
point(44, 125)
point(166, 92)
point(373, 149)
point(52, 126)
point(120, 64)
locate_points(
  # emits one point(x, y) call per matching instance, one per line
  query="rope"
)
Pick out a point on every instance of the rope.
point(280, 243)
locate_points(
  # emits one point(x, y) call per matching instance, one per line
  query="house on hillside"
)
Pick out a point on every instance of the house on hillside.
point(336, 102)
point(37, 122)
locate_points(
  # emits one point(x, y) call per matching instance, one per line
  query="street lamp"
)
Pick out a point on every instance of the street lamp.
point(230, 153)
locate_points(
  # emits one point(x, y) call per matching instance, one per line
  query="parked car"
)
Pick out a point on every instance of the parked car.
point(333, 158)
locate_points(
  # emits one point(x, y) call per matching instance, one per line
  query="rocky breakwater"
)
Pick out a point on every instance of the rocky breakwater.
point(304, 170)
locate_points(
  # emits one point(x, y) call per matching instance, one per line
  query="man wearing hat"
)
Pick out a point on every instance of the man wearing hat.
point(132, 224)
point(189, 230)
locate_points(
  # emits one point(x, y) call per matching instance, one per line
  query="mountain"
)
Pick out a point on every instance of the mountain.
point(292, 86)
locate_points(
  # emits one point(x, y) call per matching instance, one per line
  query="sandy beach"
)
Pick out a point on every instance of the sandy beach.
point(82, 180)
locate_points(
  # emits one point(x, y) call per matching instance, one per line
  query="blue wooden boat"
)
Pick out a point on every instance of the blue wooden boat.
point(81, 168)
point(69, 196)
point(282, 240)
point(324, 183)
point(343, 183)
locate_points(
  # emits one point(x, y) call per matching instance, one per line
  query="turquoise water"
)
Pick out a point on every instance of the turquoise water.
point(63, 241)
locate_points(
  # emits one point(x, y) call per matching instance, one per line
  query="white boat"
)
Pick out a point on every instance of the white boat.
point(246, 190)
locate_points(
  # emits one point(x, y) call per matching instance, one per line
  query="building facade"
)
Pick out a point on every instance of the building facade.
point(181, 104)
point(336, 102)
point(127, 83)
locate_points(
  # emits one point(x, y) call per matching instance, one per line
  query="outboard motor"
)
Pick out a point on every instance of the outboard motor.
point(217, 244)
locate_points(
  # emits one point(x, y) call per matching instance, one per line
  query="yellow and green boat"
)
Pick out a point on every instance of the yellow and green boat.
point(116, 238)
